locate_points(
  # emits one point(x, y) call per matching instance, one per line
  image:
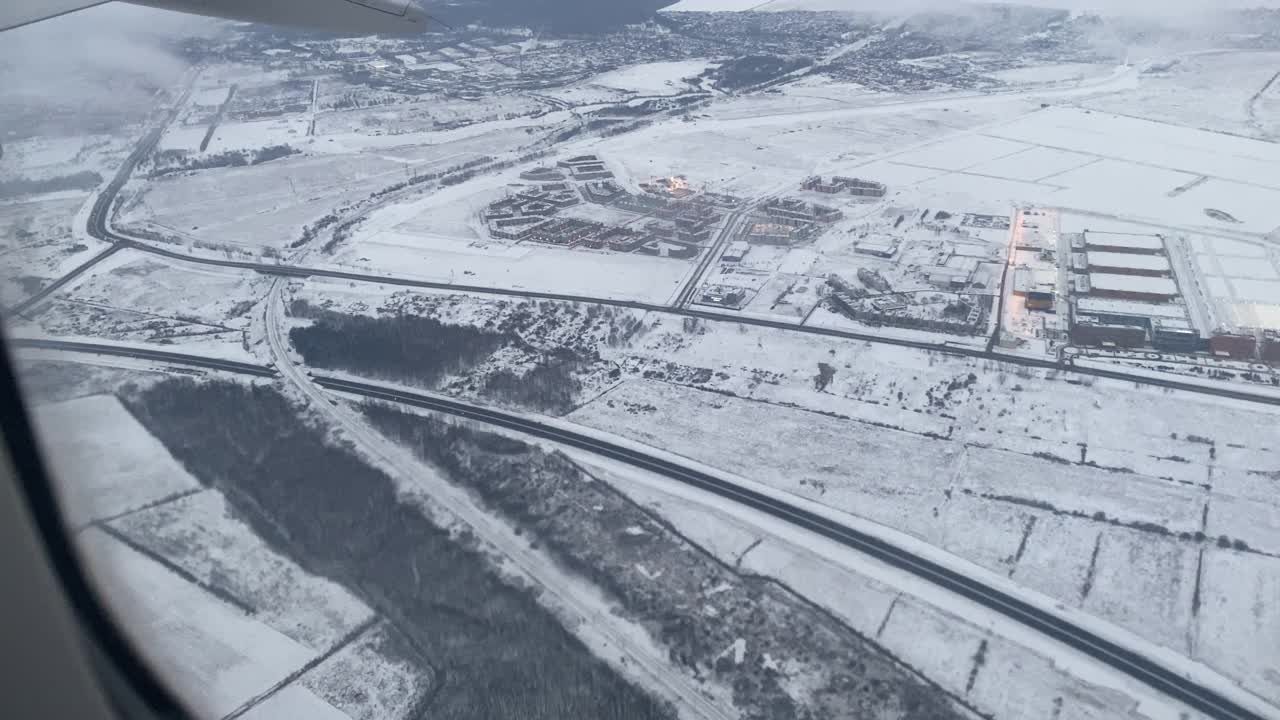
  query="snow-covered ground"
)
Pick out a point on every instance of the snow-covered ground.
point(105, 463)
point(656, 78)
point(136, 298)
point(1213, 91)
point(202, 534)
point(1095, 494)
point(438, 238)
point(214, 656)
point(229, 622)
point(920, 629)
point(1102, 163)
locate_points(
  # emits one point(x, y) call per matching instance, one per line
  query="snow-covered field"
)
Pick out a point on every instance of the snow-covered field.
point(260, 206)
point(1101, 163)
point(1210, 90)
point(135, 298)
point(39, 242)
point(912, 626)
point(1095, 494)
point(105, 463)
point(765, 144)
point(656, 78)
point(215, 656)
point(201, 534)
point(229, 622)
point(438, 238)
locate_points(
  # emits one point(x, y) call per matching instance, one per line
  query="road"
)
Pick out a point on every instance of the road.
point(144, 354)
point(1125, 660)
point(1128, 661)
point(713, 253)
point(61, 282)
point(542, 569)
point(1150, 671)
point(302, 271)
point(97, 226)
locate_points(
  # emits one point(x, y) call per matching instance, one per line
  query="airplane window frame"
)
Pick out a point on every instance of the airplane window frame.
point(131, 687)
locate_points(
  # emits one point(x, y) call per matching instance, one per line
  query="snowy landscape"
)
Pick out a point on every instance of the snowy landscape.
point(730, 360)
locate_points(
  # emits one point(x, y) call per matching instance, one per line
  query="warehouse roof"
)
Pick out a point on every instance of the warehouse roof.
point(1133, 284)
point(1110, 306)
point(1124, 240)
point(1153, 263)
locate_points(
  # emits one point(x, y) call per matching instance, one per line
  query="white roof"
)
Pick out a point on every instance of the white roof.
point(1154, 263)
point(1125, 240)
point(1112, 306)
point(1029, 279)
point(876, 245)
point(1256, 315)
point(1133, 283)
point(1175, 324)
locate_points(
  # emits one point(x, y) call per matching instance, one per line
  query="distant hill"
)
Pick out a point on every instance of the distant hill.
point(557, 15)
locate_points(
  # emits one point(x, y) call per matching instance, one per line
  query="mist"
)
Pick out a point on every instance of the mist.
point(103, 61)
point(1113, 8)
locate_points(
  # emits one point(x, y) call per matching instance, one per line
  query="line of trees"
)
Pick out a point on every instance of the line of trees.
point(84, 180)
point(491, 649)
point(172, 161)
point(405, 348)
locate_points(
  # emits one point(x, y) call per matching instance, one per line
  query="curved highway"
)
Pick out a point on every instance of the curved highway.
point(143, 354)
point(1144, 669)
point(1130, 662)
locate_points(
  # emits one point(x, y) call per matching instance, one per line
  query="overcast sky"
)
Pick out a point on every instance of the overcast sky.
point(1104, 7)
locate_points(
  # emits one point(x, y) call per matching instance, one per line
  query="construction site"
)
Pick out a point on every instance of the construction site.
point(667, 219)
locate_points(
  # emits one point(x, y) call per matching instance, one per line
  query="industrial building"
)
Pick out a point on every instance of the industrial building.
point(1123, 243)
point(1039, 286)
point(1176, 336)
point(954, 273)
point(1132, 287)
point(1236, 346)
point(1127, 312)
point(883, 247)
point(736, 251)
point(1271, 347)
point(1127, 264)
point(1091, 331)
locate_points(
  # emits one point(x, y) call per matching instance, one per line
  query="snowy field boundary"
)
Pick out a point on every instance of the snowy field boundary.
point(1079, 663)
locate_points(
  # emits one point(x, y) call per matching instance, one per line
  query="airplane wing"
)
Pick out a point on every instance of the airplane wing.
point(348, 17)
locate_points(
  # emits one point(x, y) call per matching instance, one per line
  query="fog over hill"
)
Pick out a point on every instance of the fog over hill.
point(559, 15)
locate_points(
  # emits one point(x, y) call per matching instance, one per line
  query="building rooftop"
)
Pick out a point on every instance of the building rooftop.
point(1133, 284)
point(1026, 279)
point(1111, 306)
point(1261, 316)
point(1124, 240)
point(881, 245)
point(1153, 263)
point(1173, 325)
